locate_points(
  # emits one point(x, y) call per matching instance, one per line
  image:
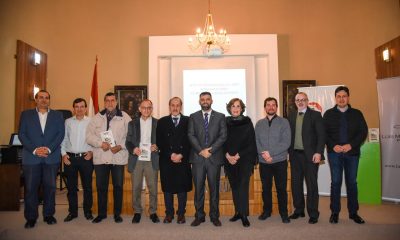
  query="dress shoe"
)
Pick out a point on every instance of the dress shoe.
point(264, 215)
point(50, 220)
point(296, 215)
point(285, 219)
point(216, 222)
point(334, 218)
point(118, 219)
point(181, 219)
point(30, 223)
point(235, 217)
point(88, 216)
point(70, 217)
point(136, 218)
point(357, 219)
point(98, 219)
point(313, 220)
point(168, 219)
point(197, 221)
point(154, 218)
point(245, 221)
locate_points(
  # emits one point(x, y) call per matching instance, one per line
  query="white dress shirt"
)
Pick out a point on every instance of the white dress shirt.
point(178, 119)
point(209, 114)
point(42, 118)
point(75, 136)
point(145, 130)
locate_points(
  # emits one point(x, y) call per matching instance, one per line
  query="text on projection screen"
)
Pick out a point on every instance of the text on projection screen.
point(223, 84)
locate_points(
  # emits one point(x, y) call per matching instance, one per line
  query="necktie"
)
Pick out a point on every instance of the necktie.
point(301, 113)
point(206, 127)
point(175, 119)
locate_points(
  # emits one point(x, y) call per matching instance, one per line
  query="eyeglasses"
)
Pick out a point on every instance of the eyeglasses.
point(146, 108)
point(301, 100)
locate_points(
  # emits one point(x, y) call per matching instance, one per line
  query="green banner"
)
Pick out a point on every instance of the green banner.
point(369, 174)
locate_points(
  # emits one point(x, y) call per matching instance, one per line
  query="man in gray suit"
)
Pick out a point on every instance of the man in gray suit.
point(143, 159)
point(207, 133)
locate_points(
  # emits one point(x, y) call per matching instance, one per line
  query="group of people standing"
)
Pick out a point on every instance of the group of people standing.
point(187, 151)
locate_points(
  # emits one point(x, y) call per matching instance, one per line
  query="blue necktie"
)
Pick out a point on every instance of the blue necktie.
point(175, 119)
point(206, 126)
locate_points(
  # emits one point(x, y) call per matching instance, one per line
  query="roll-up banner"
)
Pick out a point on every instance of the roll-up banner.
point(389, 116)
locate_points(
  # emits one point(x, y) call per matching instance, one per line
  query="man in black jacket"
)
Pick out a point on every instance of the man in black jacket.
point(175, 171)
point(346, 130)
point(305, 153)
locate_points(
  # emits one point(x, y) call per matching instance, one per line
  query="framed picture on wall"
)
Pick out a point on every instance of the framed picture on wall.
point(129, 98)
point(290, 90)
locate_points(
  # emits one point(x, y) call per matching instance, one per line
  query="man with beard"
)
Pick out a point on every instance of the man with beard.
point(305, 154)
point(207, 133)
point(176, 177)
point(273, 141)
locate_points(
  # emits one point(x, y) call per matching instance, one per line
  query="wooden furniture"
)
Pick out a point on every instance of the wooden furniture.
point(9, 187)
point(225, 204)
point(392, 67)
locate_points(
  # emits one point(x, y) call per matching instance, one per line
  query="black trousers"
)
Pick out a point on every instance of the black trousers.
point(201, 170)
point(85, 169)
point(169, 203)
point(102, 178)
point(278, 172)
point(303, 168)
point(240, 195)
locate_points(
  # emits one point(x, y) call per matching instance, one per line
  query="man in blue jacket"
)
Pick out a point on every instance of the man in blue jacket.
point(41, 132)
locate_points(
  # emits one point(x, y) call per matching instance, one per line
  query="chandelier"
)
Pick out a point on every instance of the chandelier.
point(211, 42)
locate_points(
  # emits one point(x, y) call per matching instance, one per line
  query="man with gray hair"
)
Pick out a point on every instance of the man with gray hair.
point(305, 154)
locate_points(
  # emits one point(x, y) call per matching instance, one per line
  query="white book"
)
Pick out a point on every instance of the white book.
point(146, 152)
point(107, 136)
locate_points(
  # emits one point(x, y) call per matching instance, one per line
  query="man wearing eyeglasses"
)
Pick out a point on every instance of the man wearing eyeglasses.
point(305, 153)
point(143, 159)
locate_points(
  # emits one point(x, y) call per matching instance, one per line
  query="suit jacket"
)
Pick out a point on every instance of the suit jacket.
point(133, 141)
point(313, 133)
point(217, 134)
point(175, 177)
point(31, 136)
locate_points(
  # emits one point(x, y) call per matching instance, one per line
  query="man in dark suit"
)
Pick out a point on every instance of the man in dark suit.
point(305, 153)
point(176, 177)
point(41, 132)
point(143, 159)
point(207, 133)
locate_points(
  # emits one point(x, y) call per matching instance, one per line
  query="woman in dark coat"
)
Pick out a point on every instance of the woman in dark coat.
point(240, 158)
point(175, 171)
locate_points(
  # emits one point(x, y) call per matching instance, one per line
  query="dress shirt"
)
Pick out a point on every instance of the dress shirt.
point(75, 136)
point(42, 118)
point(209, 115)
point(303, 111)
point(145, 130)
point(178, 119)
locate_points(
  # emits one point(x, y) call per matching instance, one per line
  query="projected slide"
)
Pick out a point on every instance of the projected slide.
point(223, 84)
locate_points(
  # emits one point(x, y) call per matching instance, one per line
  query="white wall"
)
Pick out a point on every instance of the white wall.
point(257, 53)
